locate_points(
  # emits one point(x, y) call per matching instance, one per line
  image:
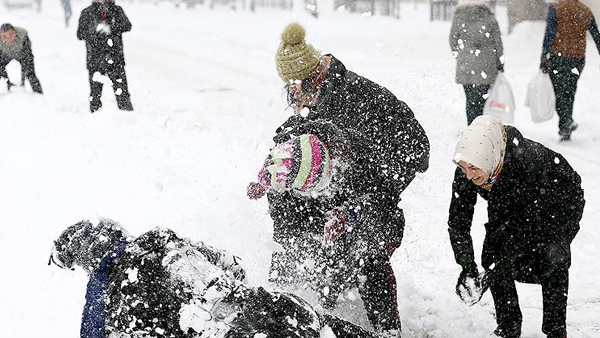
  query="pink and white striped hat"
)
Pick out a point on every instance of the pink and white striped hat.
point(302, 164)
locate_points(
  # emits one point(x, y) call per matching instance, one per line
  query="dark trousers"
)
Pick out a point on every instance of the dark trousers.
point(117, 75)
point(547, 265)
point(349, 263)
point(475, 100)
point(27, 70)
point(379, 290)
point(564, 80)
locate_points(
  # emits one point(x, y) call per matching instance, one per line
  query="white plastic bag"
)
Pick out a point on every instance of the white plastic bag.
point(540, 97)
point(501, 102)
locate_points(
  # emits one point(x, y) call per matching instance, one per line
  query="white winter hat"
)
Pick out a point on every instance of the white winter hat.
point(482, 144)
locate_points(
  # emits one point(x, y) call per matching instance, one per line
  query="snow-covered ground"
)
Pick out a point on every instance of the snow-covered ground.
point(207, 100)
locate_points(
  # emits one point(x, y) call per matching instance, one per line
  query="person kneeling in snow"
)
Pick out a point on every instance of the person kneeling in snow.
point(162, 285)
point(15, 45)
point(328, 198)
point(534, 203)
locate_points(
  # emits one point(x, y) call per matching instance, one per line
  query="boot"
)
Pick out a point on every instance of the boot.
point(565, 133)
point(507, 332)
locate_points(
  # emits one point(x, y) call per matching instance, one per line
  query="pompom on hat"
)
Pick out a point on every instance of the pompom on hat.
point(295, 58)
point(302, 164)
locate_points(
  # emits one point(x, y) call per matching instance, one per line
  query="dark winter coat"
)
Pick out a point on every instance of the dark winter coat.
point(476, 40)
point(161, 285)
point(536, 200)
point(351, 101)
point(360, 256)
point(363, 183)
point(103, 50)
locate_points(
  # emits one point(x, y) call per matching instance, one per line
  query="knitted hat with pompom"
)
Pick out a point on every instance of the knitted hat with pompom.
point(302, 164)
point(295, 58)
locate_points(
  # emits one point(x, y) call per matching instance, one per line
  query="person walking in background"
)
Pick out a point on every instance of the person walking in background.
point(66, 5)
point(15, 45)
point(101, 26)
point(534, 205)
point(476, 43)
point(563, 55)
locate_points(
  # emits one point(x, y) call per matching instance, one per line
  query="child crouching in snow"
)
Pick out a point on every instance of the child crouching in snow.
point(161, 285)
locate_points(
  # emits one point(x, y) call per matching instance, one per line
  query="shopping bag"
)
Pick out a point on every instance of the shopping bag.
point(540, 97)
point(500, 102)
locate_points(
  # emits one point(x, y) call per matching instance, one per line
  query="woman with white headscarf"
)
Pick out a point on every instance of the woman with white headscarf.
point(535, 202)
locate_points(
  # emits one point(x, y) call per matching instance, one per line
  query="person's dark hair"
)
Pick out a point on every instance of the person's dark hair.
point(6, 27)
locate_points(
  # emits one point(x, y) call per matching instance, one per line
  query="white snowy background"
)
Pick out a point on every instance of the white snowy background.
point(207, 100)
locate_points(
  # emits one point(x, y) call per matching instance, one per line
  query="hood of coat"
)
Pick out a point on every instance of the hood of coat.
point(86, 243)
point(475, 10)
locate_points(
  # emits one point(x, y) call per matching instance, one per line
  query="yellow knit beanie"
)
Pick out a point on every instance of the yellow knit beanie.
point(295, 58)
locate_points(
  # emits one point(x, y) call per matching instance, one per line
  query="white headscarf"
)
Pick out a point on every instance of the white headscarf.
point(482, 144)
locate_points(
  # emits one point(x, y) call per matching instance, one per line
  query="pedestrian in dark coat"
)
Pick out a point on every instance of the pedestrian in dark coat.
point(101, 26)
point(534, 203)
point(15, 45)
point(563, 55)
point(476, 42)
point(162, 285)
point(329, 202)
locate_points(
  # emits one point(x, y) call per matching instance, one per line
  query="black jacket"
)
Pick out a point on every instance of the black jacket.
point(351, 101)
point(537, 199)
point(363, 186)
point(103, 50)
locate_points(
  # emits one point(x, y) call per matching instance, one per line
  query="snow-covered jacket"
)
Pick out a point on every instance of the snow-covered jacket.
point(566, 25)
point(476, 41)
point(104, 49)
point(15, 50)
point(537, 199)
point(161, 285)
point(364, 183)
point(153, 286)
point(353, 102)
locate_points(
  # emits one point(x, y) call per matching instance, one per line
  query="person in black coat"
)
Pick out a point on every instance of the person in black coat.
point(162, 285)
point(534, 203)
point(330, 204)
point(101, 26)
point(15, 45)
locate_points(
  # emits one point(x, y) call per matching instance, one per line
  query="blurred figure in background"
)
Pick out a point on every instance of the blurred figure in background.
point(476, 43)
point(563, 55)
point(15, 45)
point(101, 25)
point(66, 5)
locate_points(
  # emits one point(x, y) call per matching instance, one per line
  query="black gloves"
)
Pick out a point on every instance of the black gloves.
point(468, 271)
point(471, 285)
